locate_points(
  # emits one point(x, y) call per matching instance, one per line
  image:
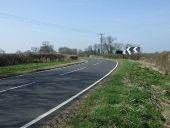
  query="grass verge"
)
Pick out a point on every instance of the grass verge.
point(25, 68)
point(134, 96)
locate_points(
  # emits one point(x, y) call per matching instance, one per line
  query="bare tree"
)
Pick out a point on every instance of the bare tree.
point(95, 48)
point(66, 50)
point(18, 52)
point(90, 49)
point(34, 50)
point(108, 46)
point(118, 46)
point(46, 47)
point(110, 41)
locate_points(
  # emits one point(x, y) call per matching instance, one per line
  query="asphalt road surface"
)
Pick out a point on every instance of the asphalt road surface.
point(26, 99)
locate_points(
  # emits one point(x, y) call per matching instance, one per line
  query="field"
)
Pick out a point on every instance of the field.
point(134, 96)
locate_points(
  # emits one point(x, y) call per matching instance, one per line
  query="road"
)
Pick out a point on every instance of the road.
point(26, 99)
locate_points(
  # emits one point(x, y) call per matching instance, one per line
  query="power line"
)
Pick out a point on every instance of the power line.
point(47, 24)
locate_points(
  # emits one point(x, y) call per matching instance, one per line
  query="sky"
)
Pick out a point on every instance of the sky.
point(76, 23)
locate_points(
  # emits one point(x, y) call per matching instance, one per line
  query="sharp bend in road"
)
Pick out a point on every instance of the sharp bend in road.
point(26, 99)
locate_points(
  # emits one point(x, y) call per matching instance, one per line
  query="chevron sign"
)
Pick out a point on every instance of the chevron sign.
point(131, 50)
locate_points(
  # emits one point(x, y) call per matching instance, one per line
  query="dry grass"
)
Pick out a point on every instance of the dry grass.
point(158, 60)
point(161, 60)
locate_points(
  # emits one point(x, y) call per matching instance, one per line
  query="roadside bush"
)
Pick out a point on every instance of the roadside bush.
point(13, 59)
point(73, 57)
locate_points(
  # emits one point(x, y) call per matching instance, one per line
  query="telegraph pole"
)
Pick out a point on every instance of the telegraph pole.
point(101, 45)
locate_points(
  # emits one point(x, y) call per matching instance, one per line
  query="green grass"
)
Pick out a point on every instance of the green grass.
point(126, 100)
point(23, 68)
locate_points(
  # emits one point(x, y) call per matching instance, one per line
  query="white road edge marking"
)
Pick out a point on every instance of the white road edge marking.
point(67, 101)
point(73, 71)
point(16, 87)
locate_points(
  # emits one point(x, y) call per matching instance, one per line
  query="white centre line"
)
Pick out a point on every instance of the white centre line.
point(73, 71)
point(16, 87)
point(37, 72)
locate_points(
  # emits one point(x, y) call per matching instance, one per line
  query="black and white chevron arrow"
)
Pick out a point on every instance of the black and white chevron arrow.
point(131, 50)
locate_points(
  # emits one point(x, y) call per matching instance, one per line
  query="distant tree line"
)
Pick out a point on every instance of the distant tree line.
point(45, 53)
point(66, 50)
point(46, 47)
point(109, 47)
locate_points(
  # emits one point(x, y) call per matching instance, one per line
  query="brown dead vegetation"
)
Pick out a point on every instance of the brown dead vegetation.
point(159, 60)
point(13, 59)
